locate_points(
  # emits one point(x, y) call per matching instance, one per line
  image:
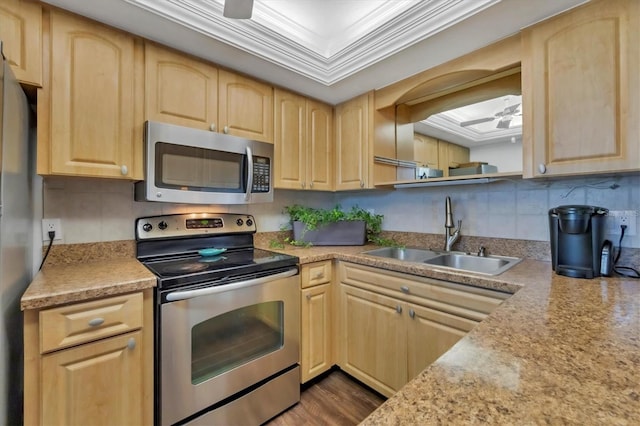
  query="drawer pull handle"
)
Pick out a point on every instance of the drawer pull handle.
point(404, 289)
point(131, 344)
point(412, 313)
point(318, 275)
point(399, 309)
point(308, 297)
point(96, 322)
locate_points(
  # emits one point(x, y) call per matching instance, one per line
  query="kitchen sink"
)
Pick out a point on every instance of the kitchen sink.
point(489, 265)
point(408, 254)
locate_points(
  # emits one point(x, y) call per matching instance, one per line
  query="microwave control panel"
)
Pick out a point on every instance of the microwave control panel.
point(261, 174)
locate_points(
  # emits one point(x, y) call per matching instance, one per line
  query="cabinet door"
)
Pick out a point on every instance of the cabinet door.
point(352, 130)
point(457, 155)
point(179, 89)
point(319, 162)
point(316, 331)
point(245, 107)
point(290, 140)
point(21, 35)
point(425, 150)
point(581, 75)
point(99, 383)
point(92, 111)
point(430, 334)
point(373, 345)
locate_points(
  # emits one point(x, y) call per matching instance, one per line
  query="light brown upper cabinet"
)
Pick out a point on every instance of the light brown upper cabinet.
point(21, 35)
point(451, 156)
point(245, 107)
point(425, 150)
point(354, 134)
point(183, 90)
point(179, 89)
point(581, 78)
point(303, 143)
point(90, 108)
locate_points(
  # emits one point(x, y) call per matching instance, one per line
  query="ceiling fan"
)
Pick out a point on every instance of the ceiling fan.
point(505, 116)
point(238, 9)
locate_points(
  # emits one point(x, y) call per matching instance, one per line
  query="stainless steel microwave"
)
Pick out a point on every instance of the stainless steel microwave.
point(185, 165)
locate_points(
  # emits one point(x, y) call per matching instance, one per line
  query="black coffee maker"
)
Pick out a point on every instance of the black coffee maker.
point(577, 238)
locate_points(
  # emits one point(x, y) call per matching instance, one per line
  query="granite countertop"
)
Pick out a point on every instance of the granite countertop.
point(59, 284)
point(559, 351)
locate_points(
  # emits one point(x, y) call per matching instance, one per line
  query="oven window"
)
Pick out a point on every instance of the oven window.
point(184, 167)
point(229, 340)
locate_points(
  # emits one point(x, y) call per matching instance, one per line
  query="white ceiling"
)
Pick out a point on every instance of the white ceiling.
point(331, 50)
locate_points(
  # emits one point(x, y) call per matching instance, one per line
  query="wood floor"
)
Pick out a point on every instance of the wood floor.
point(334, 399)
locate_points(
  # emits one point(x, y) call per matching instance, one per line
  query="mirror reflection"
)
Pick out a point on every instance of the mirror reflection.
point(483, 137)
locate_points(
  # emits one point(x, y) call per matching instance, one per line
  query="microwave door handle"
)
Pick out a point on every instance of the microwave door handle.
point(190, 294)
point(247, 194)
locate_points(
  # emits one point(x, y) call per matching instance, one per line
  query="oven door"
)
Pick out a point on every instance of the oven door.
point(218, 341)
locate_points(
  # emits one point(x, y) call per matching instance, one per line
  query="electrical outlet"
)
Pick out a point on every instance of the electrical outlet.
point(616, 218)
point(51, 225)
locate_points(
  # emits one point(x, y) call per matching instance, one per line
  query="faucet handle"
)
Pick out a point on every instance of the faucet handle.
point(482, 251)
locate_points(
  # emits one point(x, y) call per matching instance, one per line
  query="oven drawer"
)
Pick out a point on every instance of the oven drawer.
point(83, 322)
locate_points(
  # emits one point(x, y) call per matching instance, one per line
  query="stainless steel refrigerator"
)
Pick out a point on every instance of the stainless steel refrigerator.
point(16, 223)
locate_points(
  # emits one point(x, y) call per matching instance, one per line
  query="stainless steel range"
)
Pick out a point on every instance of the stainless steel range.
point(227, 320)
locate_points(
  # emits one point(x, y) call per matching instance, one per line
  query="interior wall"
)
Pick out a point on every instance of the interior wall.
point(104, 210)
point(506, 156)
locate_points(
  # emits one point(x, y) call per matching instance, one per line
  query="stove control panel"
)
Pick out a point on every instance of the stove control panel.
point(193, 224)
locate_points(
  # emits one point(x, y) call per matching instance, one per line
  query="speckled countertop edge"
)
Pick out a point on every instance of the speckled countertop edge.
point(66, 283)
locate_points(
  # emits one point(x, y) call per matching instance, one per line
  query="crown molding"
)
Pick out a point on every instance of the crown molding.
point(256, 36)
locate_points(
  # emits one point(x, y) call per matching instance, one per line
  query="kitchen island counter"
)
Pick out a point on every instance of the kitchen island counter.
point(559, 351)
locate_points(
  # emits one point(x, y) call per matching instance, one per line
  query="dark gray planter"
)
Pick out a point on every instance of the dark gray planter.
point(344, 233)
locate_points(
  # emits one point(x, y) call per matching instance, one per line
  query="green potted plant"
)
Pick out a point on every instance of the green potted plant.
point(314, 226)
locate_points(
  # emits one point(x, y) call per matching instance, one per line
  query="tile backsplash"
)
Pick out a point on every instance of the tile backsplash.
point(95, 210)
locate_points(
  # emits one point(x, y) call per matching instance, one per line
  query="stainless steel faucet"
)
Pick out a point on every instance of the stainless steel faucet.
point(451, 235)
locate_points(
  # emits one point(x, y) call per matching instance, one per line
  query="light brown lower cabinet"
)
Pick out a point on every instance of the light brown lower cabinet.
point(393, 325)
point(316, 330)
point(90, 363)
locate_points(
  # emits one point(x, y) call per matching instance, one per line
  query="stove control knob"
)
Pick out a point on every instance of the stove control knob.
point(147, 227)
point(239, 222)
point(249, 222)
point(163, 225)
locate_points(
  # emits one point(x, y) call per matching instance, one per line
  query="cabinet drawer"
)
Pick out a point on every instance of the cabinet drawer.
point(459, 299)
point(316, 273)
point(83, 322)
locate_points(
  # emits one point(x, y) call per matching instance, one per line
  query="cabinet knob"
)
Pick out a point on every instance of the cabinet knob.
point(399, 309)
point(310, 184)
point(308, 296)
point(96, 322)
point(542, 168)
point(412, 313)
point(226, 129)
point(302, 184)
point(404, 289)
point(131, 344)
point(361, 184)
point(212, 127)
point(124, 170)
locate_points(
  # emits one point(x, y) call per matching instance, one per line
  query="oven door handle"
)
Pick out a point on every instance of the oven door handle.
point(190, 294)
